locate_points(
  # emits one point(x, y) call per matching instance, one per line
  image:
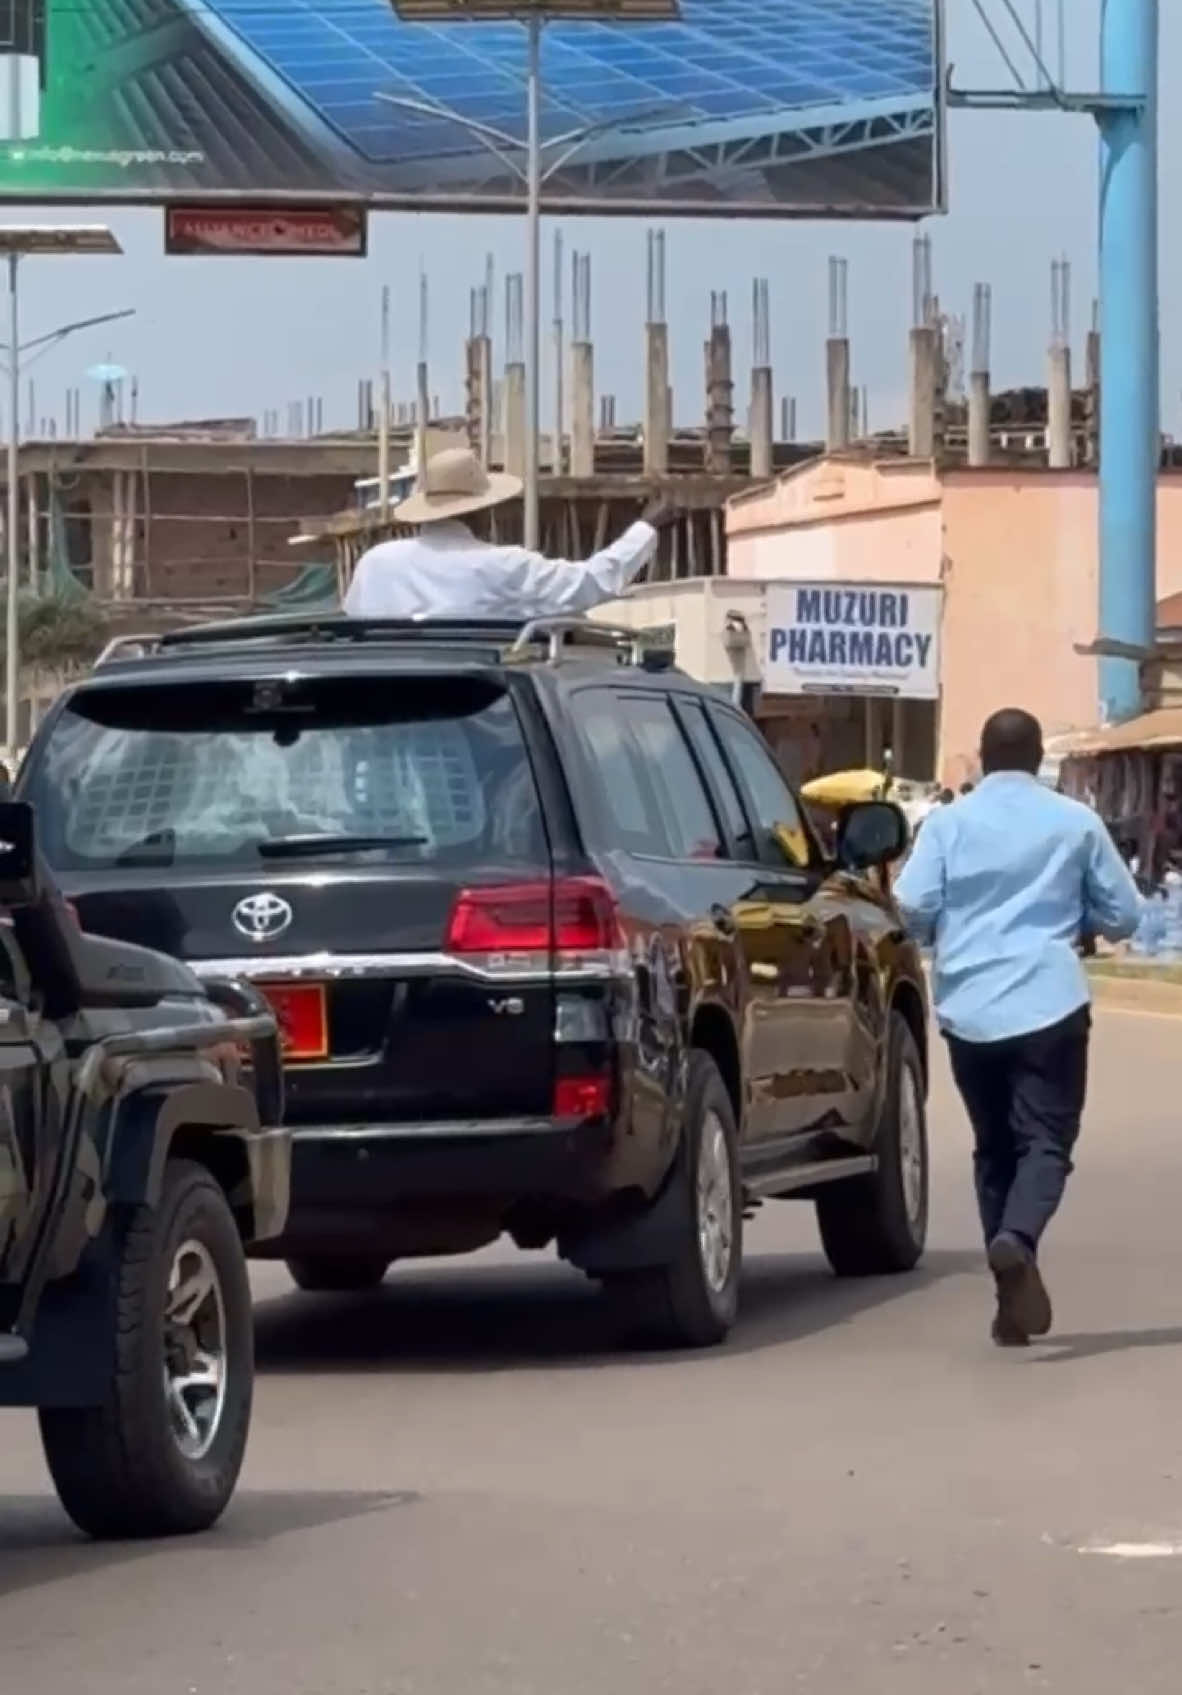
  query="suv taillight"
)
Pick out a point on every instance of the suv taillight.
point(568, 920)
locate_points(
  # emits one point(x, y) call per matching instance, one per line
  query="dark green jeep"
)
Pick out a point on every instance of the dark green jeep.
point(138, 1157)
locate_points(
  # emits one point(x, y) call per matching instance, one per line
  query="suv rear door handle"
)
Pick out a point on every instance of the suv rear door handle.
point(723, 920)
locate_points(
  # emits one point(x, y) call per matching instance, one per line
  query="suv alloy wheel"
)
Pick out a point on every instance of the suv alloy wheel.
point(693, 1301)
point(878, 1224)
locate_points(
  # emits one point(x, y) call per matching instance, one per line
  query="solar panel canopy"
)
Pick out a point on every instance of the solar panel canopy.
point(627, 11)
point(758, 107)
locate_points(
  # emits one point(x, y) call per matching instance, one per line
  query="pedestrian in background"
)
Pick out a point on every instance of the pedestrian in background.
point(1007, 884)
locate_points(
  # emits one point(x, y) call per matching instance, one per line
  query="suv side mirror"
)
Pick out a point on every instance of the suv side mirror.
point(18, 855)
point(873, 833)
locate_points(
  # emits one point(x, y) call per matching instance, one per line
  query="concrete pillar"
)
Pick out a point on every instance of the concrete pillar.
point(1092, 361)
point(487, 401)
point(720, 403)
point(34, 534)
point(656, 400)
point(515, 419)
point(422, 417)
point(925, 388)
point(582, 409)
point(130, 525)
point(1059, 442)
point(762, 422)
point(898, 736)
point(980, 402)
point(118, 589)
point(837, 383)
point(472, 397)
point(1130, 425)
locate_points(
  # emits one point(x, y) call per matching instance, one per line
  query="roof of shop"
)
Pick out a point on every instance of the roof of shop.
point(1159, 729)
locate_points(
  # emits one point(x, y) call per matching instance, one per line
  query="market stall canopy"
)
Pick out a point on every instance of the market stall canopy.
point(1159, 729)
point(846, 788)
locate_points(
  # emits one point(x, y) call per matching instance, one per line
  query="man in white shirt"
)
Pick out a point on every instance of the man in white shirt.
point(447, 572)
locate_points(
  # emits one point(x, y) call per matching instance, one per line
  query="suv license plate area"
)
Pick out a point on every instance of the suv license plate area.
point(301, 1010)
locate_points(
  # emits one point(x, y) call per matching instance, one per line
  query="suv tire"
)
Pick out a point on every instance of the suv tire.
point(693, 1301)
point(337, 1275)
point(150, 1461)
point(876, 1225)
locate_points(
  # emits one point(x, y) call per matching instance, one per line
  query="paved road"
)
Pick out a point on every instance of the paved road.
point(459, 1487)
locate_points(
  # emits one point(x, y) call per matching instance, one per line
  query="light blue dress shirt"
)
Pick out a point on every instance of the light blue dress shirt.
point(1004, 882)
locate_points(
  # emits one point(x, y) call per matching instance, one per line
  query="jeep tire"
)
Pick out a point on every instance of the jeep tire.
point(162, 1454)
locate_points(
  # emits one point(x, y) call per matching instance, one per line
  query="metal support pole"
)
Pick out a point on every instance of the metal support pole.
point(556, 459)
point(11, 644)
point(1130, 442)
point(533, 310)
point(384, 414)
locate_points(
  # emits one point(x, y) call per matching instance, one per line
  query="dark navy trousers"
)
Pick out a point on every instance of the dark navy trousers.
point(1025, 1098)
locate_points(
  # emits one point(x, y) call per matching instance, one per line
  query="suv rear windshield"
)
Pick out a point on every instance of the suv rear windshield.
point(242, 773)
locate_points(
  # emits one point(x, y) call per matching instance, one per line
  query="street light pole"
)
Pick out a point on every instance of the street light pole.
point(507, 149)
point(16, 240)
point(11, 645)
point(533, 312)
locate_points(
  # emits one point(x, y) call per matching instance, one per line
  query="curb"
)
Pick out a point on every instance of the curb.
point(1125, 994)
point(1135, 994)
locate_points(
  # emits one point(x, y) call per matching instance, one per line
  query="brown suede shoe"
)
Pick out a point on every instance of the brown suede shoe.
point(1022, 1299)
point(1006, 1334)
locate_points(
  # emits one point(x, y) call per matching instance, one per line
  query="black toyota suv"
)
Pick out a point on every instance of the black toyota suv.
point(554, 947)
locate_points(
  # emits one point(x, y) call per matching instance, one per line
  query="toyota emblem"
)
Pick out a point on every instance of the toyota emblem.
point(262, 917)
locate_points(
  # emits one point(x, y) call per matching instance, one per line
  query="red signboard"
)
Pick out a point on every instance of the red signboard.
point(330, 231)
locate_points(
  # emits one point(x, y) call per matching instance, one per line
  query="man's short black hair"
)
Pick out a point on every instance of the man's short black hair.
point(1011, 741)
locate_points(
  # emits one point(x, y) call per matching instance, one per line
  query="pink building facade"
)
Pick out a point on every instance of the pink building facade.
point(1014, 551)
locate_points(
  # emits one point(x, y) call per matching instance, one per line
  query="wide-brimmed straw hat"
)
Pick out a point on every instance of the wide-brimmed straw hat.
point(456, 483)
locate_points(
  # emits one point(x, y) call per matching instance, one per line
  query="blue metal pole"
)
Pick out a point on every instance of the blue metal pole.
point(1129, 398)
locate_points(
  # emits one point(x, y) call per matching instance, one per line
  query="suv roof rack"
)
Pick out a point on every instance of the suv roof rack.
point(127, 647)
point(562, 636)
point(552, 639)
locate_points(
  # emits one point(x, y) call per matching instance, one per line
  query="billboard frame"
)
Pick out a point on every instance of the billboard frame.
point(848, 133)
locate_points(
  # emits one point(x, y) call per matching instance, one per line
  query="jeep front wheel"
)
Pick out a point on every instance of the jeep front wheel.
point(161, 1455)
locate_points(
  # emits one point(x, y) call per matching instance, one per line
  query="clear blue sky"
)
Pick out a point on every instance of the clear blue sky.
point(218, 336)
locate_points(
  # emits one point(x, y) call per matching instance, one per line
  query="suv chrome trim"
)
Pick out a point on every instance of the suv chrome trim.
point(449, 1129)
point(279, 968)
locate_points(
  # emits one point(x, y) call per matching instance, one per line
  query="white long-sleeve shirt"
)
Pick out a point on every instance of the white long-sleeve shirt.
point(445, 572)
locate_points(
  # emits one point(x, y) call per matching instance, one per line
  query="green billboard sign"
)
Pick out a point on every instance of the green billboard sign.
point(765, 107)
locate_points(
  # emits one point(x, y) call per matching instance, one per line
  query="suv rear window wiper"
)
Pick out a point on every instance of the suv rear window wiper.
point(292, 847)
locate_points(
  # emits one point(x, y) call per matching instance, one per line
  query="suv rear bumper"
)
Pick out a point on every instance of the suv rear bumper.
point(436, 1187)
